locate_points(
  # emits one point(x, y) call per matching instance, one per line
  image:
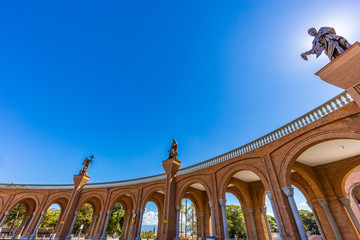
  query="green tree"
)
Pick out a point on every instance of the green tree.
point(50, 219)
point(272, 224)
point(236, 222)
point(83, 218)
point(15, 216)
point(308, 219)
point(116, 219)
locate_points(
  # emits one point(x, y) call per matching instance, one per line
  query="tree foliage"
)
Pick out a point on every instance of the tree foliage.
point(15, 216)
point(272, 223)
point(236, 222)
point(148, 234)
point(51, 218)
point(116, 219)
point(308, 219)
point(83, 218)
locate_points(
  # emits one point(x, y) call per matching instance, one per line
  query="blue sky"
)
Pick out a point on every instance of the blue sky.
point(121, 79)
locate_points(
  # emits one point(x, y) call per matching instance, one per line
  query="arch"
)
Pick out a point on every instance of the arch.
point(185, 184)
point(125, 197)
point(31, 202)
point(301, 146)
point(150, 196)
point(95, 200)
point(350, 165)
point(62, 199)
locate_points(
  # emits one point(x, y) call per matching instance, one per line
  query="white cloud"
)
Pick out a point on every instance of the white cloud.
point(150, 218)
point(270, 214)
point(303, 204)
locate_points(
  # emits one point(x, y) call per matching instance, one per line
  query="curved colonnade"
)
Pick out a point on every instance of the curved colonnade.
point(316, 153)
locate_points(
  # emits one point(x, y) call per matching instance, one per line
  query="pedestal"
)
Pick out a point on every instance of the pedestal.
point(344, 72)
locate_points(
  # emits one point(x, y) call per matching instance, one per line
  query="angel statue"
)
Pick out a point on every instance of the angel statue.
point(86, 164)
point(326, 40)
point(173, 152)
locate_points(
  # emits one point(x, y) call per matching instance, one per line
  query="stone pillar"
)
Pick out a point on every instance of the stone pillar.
point(178, 207)
point(246, 223)
point(253, 226)
point(140, 223)
point(21, 227)
point(97, 226)
point(311, 206)
point(33, 235)
point(289, 192)
point(4, 218)
point(269, 195)
point(160, 226)
point(125, 226)
point(346, 203)
point(132, 225)
point(202, 214)
point(223, 212)
point(171, 167)
point(263, 210)
point(27, 228)
point(103, 235)
point(93, 223)
point(68, 236)
point(212, 219)
point(324, 204)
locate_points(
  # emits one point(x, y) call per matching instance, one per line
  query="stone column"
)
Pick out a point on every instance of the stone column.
point(162, 226)
point(27, 228)
point(178, 207)
point(132, 225)
point(252, 221)
point(21, 228)
point(4, 218)
point(324, 204)
point(311, 206)
point(33, 235)
point(97, 226)
point(246, 223)
point(263, 210)
point(212, 219)
point(269, 195)
point(223, 212)
point(93, 222)
point(289, 192)
point(140, 223)
point(125, 226)
point(103, 235)
point(68, 236)
point(346, 203)
point(202, 214)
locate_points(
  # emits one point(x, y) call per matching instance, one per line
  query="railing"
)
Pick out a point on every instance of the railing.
point(325, 109)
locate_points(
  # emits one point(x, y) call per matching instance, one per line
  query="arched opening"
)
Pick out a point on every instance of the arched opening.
point(149, 227)
point(116, 221)
point(188, 220)
point(83, 221)
point(50, 221)
point(19, 218)
point(194, 211)
point(248, 188)
point(235, 217)
point(320, 172)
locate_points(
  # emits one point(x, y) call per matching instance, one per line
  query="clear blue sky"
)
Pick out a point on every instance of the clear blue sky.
point(120, 79)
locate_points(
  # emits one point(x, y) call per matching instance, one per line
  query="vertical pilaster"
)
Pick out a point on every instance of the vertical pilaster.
point(324, 204)
point(212, 219)
point(103, 235)
point(311, 206)
point(202, 214)
point(93, 223)
point(68, 236)
point(140, 223)
point(223, 211)
point(269, 195)
point(132, 225)
point(97, 226)
point(246, 223)
point(27, 227)
point(263, 210)
point(178, 207)
point(346, 203)
point(253, 226)
point(125, 226)
point(4, 218)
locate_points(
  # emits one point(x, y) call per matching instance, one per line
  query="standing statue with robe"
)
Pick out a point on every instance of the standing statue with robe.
point(86, 164)
point(326, 40)
point(173, 152)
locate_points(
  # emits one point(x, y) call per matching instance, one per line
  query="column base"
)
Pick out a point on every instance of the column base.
point(176, 238)
point(32, 237)
point(138, 238)
point(23, 238)
point(104, 237)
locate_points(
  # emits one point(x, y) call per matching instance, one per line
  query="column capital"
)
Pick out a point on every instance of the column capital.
point(345, 201)
point(269, 195)
point(288, 191)
point(178, 207)
point(210, 204)
point(7, 213)
point(76, 213)
point(310, 204)
point(202, 214)
point(43, 213)
point(133, 211)
point(142, 211)
point(108, 212)
point(323, 202)
point(250, 210)
point(263, 209)
point(222, 202)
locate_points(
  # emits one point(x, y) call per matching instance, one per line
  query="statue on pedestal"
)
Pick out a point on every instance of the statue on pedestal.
point(326, 40)
point(173, 152)
point(86, 164)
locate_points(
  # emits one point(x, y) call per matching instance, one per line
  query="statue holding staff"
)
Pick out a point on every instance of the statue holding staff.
point(86, 164)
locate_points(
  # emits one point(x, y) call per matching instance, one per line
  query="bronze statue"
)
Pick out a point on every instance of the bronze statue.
point(326, 40)
point(86, 164)
point(173, 149)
